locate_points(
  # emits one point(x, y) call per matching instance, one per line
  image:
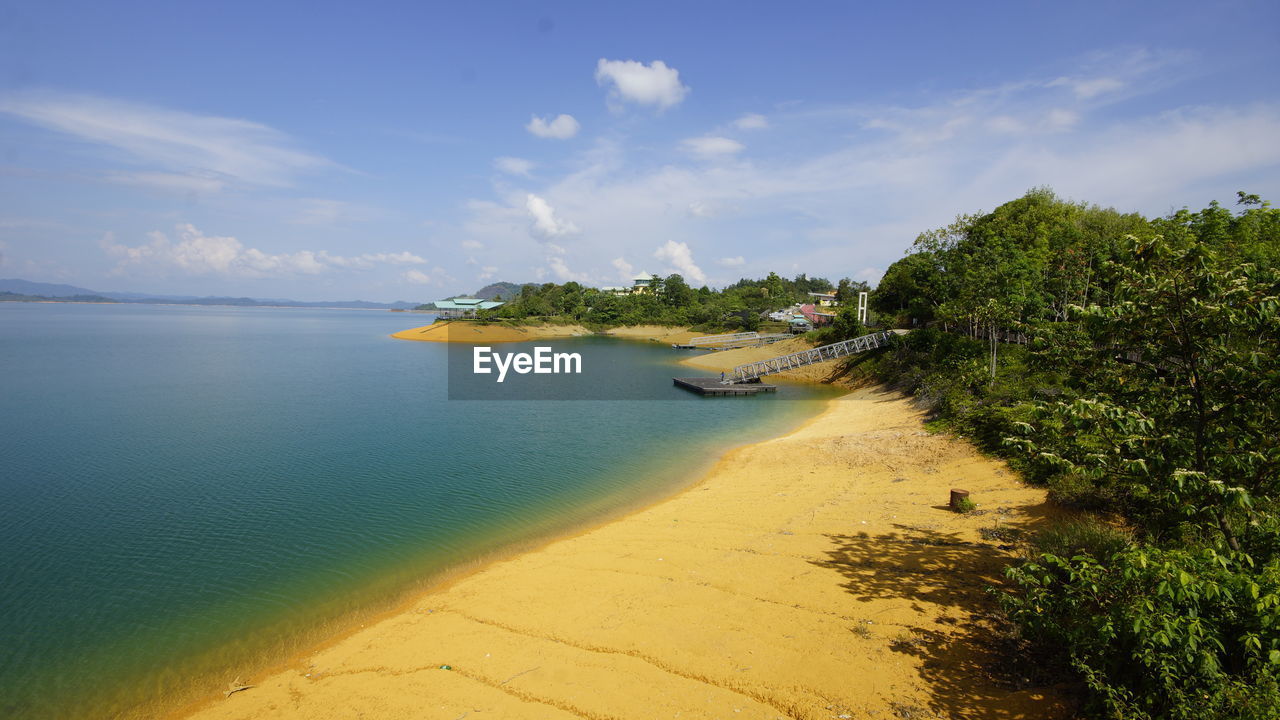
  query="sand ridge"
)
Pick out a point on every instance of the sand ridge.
point(817, 575)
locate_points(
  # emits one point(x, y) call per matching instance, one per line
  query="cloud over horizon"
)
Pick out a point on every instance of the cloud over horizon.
point(195, 253)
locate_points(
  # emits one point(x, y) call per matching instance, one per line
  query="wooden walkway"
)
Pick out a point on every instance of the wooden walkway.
point(730, 341)
point(752, 372)
point(717, 339)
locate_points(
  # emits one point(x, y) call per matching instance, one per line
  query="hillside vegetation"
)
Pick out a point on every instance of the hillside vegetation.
point(1132, 365)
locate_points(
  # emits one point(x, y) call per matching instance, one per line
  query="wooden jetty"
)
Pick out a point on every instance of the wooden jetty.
point(713, 386)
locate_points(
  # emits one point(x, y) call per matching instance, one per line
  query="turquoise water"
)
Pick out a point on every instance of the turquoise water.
point(189, 492)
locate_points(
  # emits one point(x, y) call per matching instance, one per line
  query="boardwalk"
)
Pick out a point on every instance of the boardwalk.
point(755, 370)
point(730, 341)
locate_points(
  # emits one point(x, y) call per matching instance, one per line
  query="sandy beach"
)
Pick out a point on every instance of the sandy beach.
point(815, 575)
point(655, 333)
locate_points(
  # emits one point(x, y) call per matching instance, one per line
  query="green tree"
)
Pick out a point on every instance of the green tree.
point(1167, 381)
point(676, 292)
point(844, 291)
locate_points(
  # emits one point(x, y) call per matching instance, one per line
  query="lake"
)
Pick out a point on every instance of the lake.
point(188, 493)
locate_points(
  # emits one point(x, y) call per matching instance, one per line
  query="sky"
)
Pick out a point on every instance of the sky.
point(418, 150)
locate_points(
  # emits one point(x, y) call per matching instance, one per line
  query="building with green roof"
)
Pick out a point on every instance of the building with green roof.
point(463, 307)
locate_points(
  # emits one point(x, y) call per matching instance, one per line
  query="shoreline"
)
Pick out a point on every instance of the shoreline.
point(626, 632)
point(610, 511)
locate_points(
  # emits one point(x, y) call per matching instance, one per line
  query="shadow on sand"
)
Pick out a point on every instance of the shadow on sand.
point(968, 663)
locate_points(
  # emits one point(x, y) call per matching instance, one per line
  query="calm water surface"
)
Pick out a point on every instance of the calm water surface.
point(187, 492)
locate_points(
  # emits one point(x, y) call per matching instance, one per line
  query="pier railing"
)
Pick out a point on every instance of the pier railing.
point(755, 370)
point(717, 339)
point(731, 341)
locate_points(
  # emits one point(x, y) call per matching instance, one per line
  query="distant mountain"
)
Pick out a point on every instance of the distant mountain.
point(505, 289)
point(26, 287)
point(6, 296)
point(54, 291)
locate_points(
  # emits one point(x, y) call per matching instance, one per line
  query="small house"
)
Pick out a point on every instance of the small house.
point(822, 299)
point(643, 283)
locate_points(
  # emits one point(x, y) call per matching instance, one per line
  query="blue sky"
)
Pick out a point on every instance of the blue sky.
point(390, 151)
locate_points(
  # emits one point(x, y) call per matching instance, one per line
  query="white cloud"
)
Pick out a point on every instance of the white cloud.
point(1006, 125)
point(751, 121)
point(1085, 88)
point(653, 84)
point(203, 147)
point(680, 257)
point(369, 260)
point(174, 182)
point(195, 253)
point(869, 275)
point(472, 245)
point(562, 271)
point(320, 211)
point(545, 222)
point(1059, 119)
point(697, 208)
point(513, 166)
point(625, 271)
point(710, 147)
point(417, 277)
point(562, 127)
point(487, 272)
point(849, 198)
point(738, 261)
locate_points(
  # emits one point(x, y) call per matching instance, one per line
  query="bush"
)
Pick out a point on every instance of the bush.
point(1188, 635)
point(1072, 490)
point(1086, 535)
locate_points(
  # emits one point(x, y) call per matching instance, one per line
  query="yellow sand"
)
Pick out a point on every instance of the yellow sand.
point(470, 332)
point(818, 575)
point(656, 333)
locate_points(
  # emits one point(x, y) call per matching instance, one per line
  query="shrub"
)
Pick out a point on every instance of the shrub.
point(1188, 635)
point(1086, 535)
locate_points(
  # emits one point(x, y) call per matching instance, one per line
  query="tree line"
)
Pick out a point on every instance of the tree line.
point(668, 301)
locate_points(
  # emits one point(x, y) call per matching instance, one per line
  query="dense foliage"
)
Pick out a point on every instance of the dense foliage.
point(1134, 367)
